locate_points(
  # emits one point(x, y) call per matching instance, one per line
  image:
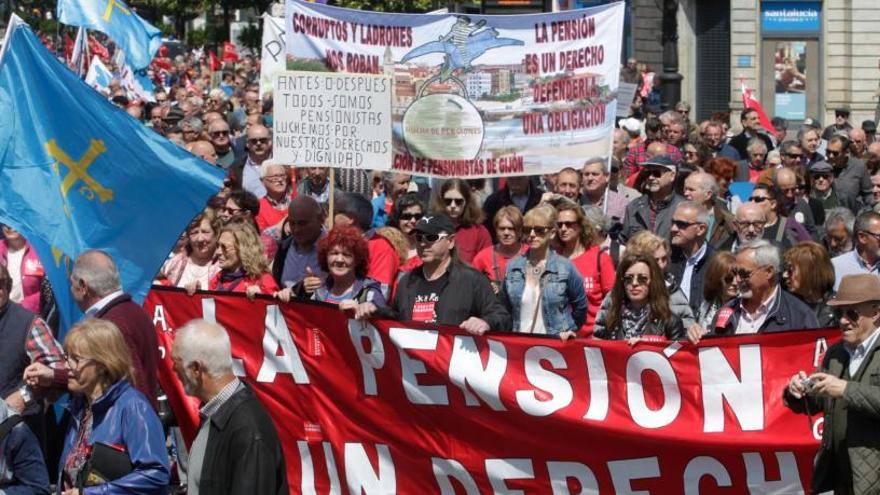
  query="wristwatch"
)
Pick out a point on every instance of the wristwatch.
point(26, 395)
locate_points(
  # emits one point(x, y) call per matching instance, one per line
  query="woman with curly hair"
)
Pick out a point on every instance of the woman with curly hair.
point(639, 304)
point(243, 266)
point(576, 240)
point(456, 199)
point(344, 255)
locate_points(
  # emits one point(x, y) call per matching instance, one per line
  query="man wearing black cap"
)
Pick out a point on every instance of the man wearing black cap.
point(653, 211)
point(823, 189)
point(845, 389)
point(443, 290)
point(870, 128)
point(841, 124)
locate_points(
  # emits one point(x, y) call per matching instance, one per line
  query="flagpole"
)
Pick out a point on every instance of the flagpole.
point(332, 187)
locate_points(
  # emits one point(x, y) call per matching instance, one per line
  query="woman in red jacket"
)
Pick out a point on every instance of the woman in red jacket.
point(576, 241)
point(243, 266)
point(456, 200)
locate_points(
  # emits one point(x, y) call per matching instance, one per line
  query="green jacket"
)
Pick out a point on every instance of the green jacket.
point(851, 423)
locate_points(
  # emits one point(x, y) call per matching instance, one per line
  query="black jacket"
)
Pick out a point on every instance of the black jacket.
point(788, 313)
point(741, 141)
point(676, 268)
point(500, 199)
point(243, 455)
point(467, 293)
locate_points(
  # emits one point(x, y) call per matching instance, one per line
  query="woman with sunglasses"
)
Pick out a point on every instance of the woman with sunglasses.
point(807, 272)
point(243, 267)
point(456, 200)
point(106, 409)
point(492, 261)
point(719, 288)
point(543, 290)
point(639, 304)
point(576, 240)
point(405, 214)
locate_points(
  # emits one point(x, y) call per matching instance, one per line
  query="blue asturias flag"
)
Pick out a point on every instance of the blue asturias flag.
point(138, 38)
point(79, 173)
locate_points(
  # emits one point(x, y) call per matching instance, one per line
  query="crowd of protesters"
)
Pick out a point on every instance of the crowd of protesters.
point(655, 242)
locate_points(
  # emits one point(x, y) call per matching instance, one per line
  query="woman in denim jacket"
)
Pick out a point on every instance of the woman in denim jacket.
point(543, 291)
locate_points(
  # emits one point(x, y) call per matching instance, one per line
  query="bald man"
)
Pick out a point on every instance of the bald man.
point(203, 150)
point(245, 170)
point(858, 143)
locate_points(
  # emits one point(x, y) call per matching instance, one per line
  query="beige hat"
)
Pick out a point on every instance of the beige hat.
point(856, 289)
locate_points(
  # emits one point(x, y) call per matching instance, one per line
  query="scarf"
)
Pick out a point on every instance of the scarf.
point(633, 321)
point(228, 281)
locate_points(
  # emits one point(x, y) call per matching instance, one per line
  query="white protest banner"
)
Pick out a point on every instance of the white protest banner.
point(477, 96)
point(272, 57)
point(337, 120)
point(625, 94)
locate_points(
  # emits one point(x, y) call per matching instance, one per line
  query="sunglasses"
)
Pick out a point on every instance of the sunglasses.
point(567, 225)
point(759, 199)
point(411, 216)
point(683, 224)
point(831, 153)
point(794, 155)
point(232, 211)
point(258, 141)
point(453, 201)
point(851, 314)
point(821, 176)
point(729, 278)
point(218, 133)
point(637, 279)
point(655, 172)
point(429, 238)
point(744, 274)
point(538, 230)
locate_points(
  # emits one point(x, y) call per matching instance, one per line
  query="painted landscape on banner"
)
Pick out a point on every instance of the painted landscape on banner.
point(477, 96)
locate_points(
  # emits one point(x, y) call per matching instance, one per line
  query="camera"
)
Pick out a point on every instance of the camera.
point(807, 383)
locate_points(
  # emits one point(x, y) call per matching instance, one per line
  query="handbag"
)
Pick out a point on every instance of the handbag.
point(105, 463)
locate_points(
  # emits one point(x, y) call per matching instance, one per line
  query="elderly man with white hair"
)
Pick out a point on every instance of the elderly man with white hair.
point(702, 188)
point(236, 450)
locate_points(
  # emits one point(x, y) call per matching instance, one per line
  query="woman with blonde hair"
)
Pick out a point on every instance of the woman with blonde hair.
point(807, 272)
point(108, 412)
point(543, 290)
point(243, 267)
point(456, 199)
point(576, 240)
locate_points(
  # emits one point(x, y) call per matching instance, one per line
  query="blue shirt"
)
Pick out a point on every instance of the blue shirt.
point(850, 263)
point(297, 260)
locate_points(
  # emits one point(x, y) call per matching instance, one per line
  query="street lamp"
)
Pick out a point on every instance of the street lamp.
point(670, 79)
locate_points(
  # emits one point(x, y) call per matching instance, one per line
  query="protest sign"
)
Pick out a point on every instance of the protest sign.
point(626, 92)
point(332, 120)
point(272, 57)
point(402, 407)
point(477, 96)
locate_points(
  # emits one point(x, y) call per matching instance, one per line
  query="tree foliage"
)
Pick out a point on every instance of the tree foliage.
point(407, 6)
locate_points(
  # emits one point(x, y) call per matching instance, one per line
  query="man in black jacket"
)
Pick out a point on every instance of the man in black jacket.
point(751, 129)
point(236, 450)
point(443, 290)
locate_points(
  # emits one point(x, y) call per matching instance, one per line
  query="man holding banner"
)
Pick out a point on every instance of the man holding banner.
point(847, 390)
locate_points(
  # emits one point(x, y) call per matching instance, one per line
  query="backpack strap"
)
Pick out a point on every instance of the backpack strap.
point(10, 423)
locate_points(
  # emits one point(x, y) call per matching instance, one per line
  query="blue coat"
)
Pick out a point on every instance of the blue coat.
point(563, 302)
point(123, 416)
point(22, 469)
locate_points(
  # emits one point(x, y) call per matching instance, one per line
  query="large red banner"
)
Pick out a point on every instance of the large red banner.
point(394, 407)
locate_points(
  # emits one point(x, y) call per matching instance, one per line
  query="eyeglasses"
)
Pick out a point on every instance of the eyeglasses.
point(637, 279)
point(744, 274)
point(759, 199)
point(216, 134)
point(429, 238)
point(73, 361)
point(567, 225)
point(683, 224)
point(537, 229)
point(794, 155)
point(850, 314)
point(275, 178)
point(405, 217)
point(729, 278)
point(872, 234)
point(231, 211)
point(453, 201)
point(258, 141)
point(821, 176)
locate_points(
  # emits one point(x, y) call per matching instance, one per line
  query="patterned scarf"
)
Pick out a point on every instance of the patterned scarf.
point(80, 451)
point(633, 321)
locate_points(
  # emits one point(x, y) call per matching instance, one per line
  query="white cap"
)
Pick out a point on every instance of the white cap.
point(631, 125)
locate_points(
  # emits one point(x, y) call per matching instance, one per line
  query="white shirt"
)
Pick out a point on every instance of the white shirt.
point(689, 271)
point(195, 273)
point(531, 302)
point(98, 306)
point(857, 355)
point(13, 265)
point(250, 179)
point(749, 324)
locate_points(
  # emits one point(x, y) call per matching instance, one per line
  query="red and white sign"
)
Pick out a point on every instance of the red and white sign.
point(392, 407)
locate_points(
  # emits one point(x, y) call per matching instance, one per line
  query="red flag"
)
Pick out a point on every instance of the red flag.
point(230, 52)
point(214, 61)
point(749, 101)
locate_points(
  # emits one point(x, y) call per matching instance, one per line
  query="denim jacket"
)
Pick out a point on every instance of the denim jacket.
point(563, 302)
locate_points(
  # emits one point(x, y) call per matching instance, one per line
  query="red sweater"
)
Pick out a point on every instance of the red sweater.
point(384, 263)
point(598, 272)
point(471, 240)
point(483, 262)
point(265, 282)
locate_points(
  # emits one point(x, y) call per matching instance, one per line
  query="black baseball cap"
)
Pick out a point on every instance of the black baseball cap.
point(438, 223)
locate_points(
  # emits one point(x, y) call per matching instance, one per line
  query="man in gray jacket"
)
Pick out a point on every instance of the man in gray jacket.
point(653, 211)
point(851, 178)
point(847, 390)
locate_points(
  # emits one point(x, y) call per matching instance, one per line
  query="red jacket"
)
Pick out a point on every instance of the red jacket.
point(265, 282)
point(384, 262)
point(32, 273)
